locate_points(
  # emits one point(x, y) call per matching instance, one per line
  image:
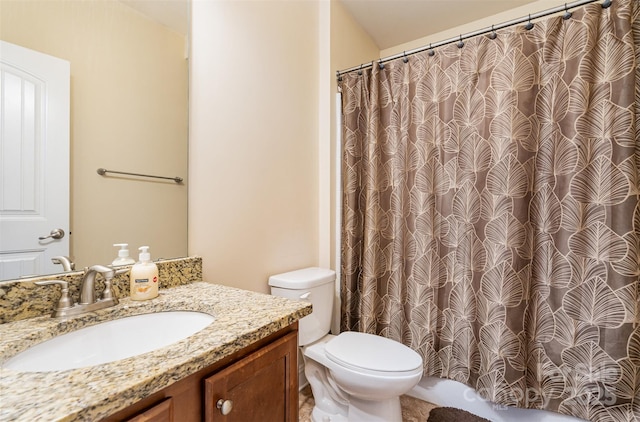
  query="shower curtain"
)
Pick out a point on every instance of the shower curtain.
point(491, 213)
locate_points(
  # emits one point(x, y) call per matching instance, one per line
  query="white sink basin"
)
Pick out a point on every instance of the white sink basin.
point(110, 341)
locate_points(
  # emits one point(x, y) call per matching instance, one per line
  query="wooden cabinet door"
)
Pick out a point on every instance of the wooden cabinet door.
point(161, 412)
point(261, 387)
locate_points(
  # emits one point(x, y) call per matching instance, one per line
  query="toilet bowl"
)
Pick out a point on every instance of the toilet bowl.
point(355, 377)
point(370, 387)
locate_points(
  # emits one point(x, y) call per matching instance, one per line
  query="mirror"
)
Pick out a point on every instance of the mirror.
point(128, 112)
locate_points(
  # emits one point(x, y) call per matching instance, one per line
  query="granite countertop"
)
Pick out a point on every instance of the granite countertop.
point(87, 394)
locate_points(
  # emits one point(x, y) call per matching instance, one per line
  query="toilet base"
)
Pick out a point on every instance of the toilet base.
point(319, 415)
point(375, 411)
point(363, 411)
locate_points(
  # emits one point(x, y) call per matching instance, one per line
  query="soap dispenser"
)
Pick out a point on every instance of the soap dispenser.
point(123, 255)
point(144, 277)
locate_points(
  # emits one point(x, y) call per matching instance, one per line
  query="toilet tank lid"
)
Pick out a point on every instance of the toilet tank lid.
point(303, 279)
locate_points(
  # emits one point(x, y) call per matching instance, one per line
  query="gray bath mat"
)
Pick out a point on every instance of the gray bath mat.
point(451, 414)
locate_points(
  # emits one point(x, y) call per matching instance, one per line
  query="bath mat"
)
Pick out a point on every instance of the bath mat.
point(451, 414)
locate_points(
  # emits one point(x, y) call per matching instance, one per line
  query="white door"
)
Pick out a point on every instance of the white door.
point(34, 161)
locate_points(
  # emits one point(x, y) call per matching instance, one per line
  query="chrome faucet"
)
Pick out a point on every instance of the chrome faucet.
point(88, 291)
point(87, 301)
point(67, 264)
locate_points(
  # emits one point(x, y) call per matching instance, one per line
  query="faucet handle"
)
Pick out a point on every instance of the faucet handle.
point(107, 294)
point(65, 301)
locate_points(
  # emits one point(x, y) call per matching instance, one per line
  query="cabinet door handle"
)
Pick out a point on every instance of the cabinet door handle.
point(225, 406)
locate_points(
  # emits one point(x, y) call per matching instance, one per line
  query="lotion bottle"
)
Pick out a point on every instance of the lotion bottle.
point(123, 255)
point(144, 277)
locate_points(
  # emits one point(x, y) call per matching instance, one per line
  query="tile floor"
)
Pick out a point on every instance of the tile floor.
point(413, 410)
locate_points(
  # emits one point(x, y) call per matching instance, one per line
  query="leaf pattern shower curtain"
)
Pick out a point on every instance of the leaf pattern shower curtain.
point(491, 214)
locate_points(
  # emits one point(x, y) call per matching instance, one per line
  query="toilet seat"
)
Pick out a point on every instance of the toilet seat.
point(372, 354)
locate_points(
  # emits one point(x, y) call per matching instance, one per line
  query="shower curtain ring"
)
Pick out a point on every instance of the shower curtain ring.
point(460, 43)
point(380, 64)
point(404, 57)
point(431, 52)
point(567, 14)
point(606, 4)
point(493, 34)
point(360, 70)
point(529, 26)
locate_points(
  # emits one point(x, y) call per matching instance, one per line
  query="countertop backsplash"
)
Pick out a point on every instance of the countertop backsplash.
point(22, 298)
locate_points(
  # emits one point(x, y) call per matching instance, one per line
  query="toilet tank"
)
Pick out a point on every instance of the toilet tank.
point(315, 285)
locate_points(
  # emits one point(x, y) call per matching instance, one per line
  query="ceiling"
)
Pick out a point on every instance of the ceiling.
point(170, 13)
point(388, 22)
point(394, 22)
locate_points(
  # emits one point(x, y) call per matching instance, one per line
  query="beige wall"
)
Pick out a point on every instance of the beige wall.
point(253, 161)
point(262, 134)
point(129, 112)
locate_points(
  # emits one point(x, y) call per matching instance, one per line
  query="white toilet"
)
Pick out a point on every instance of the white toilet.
point(354, 377)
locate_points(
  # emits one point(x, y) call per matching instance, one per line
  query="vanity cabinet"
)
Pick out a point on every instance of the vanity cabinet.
point(161, 412)
point(258, 383)
point(257, 388)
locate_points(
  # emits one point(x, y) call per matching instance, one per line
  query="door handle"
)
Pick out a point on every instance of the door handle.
point(55, 234)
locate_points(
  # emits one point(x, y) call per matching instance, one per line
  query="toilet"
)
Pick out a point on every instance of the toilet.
point(355, 377)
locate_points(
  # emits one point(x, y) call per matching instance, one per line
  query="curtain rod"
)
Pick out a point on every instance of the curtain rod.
point(493, 28)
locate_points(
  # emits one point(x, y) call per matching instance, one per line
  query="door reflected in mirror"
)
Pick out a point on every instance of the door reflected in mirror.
point(128, 112)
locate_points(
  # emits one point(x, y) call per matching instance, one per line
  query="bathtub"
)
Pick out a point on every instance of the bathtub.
point(444, 392)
